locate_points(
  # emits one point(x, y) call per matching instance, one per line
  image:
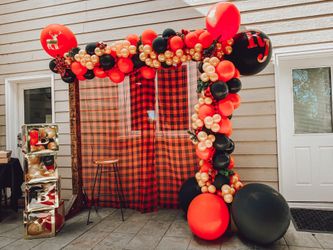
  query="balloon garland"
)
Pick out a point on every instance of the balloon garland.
point(222, 56)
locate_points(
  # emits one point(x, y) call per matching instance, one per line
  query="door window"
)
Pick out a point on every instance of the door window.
point(37, 105)
point(312, 94)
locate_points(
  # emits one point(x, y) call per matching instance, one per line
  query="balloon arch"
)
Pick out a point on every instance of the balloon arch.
point(223, 56)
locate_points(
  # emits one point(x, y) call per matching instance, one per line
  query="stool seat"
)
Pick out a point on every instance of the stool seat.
point(106, 162)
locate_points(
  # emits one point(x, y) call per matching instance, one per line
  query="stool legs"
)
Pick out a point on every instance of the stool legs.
point(120, 198)
point(92, 194)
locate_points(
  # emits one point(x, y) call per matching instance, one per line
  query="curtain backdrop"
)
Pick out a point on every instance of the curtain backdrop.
point(155, 154)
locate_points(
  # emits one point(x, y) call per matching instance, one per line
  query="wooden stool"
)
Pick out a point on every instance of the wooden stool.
point(106, 166)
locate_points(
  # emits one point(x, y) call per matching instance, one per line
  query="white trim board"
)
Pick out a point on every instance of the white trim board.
point(11, 104)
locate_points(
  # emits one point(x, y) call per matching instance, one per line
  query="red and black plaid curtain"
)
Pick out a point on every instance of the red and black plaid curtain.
point(155, 154)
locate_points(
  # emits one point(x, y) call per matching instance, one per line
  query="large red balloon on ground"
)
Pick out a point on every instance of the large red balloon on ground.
point(223, 20)
point(208, 216)
point(57, 39)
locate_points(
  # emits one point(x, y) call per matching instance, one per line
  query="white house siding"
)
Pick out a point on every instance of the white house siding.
point(289, 23)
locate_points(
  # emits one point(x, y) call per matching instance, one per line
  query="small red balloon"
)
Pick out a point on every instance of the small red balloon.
point(205, 110)
point(237, 74)
point(191, 39)
point(235, 99)
point(147, 72)
point(100, 73)
point(225, 107)
point(206, 167)
point(208, 216)
point(80, 77)
point(78, 69)
point(225, 70)
point(204, 155)
point(57, 39)
point(125, 65)
point(116, 75)
point(199, 31)
point(133, 39)
point(148, 37)
point(232, 163)
point(225, 127)
point(223, 20)
point(176, 42)
point(206, 39)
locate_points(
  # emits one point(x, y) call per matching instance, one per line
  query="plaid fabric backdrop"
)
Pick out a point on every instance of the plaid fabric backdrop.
point(155, 155)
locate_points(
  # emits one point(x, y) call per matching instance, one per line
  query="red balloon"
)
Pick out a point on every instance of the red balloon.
point(208, 216)
point(176, 42)
point(223, 20)
point(206, 39)
point(78, 69)
point(148, 37)
point(225, 107)
point(100, 73)
point(125, 65)
point(191, 39)
point(147, 72)
point(133, 39)
point(57, 39)
point(225, 70)
point(225, 127)
point(237, 74)
point(235, 99)
point(204, 155)
point(205, 110)
point(232, 163)
point(80, 77)
point(116, 75)
point(198, 32)
point(206, 167)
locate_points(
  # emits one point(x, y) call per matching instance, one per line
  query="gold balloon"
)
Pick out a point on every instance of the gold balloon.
point(202, 136)
point(208, 143)
point(201, 183)
point(206, 60)
point(210, 69)
point(89, 65)
point(213, 77)
point(156, 64)
point(228, 50)
point(204, 189)
point(217, 118)
point(201, 162)
point(194, 126)
point(219, 46)
point(147, 49)
point(168, 61)
point(82, 52)
point(183, 58)
point(228, 198)
point(97, 50)
point(192, 51)
point(208, 100)
point(168, 54)
point(198, 47)
point(219, 54)
point(179, 52)
point(201, 100)
point(148, 61)
point(198, 176)
point(153, 55)
point(124, 52)
point(202, 147)
point(107, 50)
point(189, 58)
point(197, 56)
point(205, 65)
point(141, 48)
point(230, 41)
point(161, 57)
point(94, 59)
point(225, 188)
point(199, 123)
point(204, 177)
point(204, 77)
point(214, 61)
point(215, 127)
point(211, 189)
point(232, 191)
point(209, 120)
point(83, 62)
point(126, 43)
point(87, 57)
point(77, 57)
point(68, 61)
point(211, 138)
point(143, 56)
point(132, 49)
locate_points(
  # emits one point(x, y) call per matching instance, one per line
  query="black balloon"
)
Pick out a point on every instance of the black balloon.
point(234, 85)
point(160, 45)
point(167, 33)
point(48, 160)
point(188, 191)
point(90, 48)
point(106, 61)
point(231, 147)
point(221, 142)
point(52, 66)
point(219, 90)
point(200, 67)
point(89, 74)
point(220, 180)
point(221, 160)
point(69, 76)
point(137, 62)
point(251, 52)
point(260, 213)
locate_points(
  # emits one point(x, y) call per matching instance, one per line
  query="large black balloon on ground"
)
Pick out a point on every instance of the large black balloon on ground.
point(188, 191)
point(251, 52)
point(260, 213)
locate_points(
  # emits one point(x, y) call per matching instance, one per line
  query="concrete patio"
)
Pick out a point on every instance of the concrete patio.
point(165, 229)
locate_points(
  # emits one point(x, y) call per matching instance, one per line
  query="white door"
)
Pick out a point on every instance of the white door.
point(305, 126)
